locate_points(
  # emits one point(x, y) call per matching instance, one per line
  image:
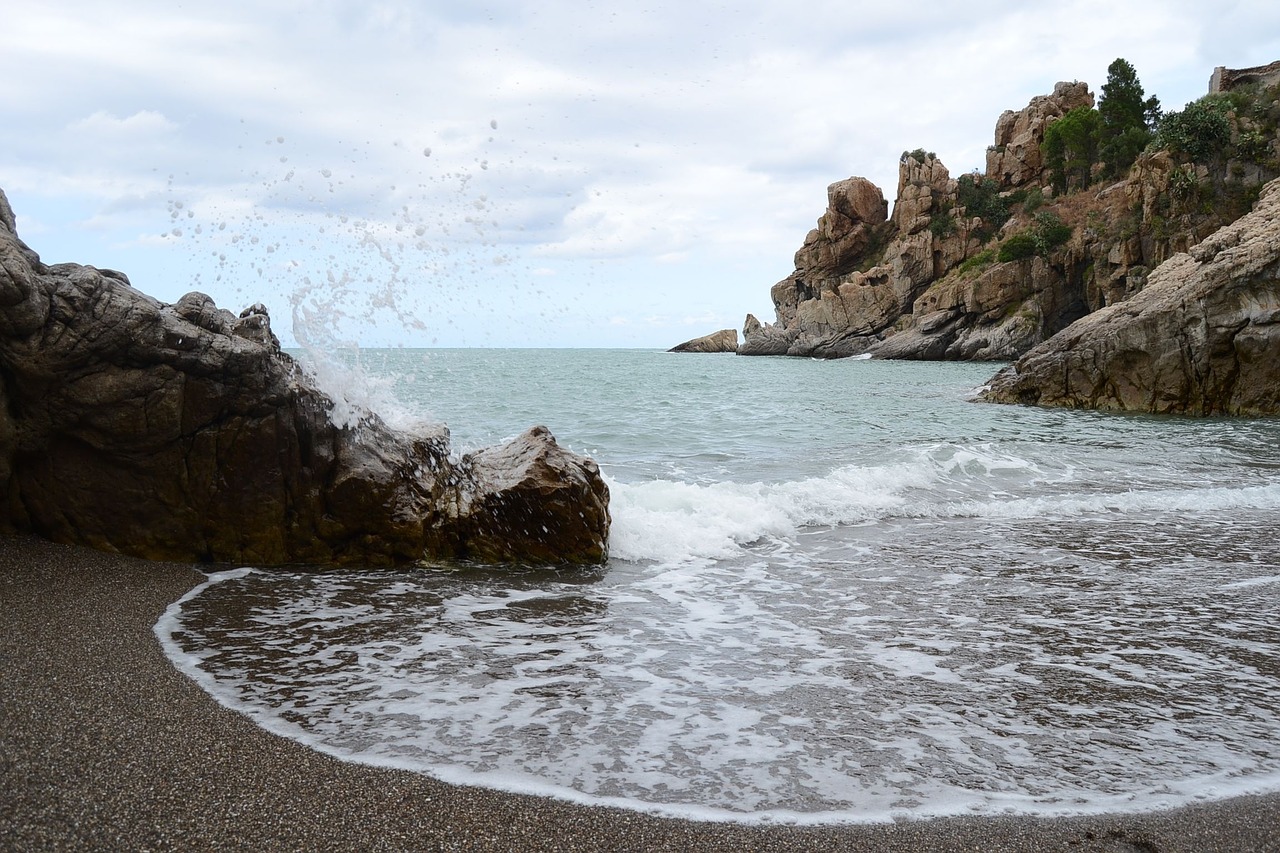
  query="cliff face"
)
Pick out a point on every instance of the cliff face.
point(182, 432)
point(1202, 338)
point(940, 279)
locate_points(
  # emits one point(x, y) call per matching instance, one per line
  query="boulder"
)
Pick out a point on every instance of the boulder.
point(183, 432)
point(855, 207)
point(725, 340)
point(1202, 338)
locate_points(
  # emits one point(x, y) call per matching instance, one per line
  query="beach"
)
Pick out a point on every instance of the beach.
point(105, 746)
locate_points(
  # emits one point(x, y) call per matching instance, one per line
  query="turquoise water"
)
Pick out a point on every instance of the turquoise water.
point(838, 591)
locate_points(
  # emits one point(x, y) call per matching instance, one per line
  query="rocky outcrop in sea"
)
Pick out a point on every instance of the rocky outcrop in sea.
point(725, 340)
point(183, 432)
point(1202, 338)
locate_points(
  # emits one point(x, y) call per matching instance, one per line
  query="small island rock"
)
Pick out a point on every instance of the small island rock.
point(725, 340)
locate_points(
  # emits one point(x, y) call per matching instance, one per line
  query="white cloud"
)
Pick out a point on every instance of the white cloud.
point(144, 123)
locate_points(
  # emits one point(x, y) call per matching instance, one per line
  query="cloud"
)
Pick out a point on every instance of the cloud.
point(142, 124)
point(686, 147)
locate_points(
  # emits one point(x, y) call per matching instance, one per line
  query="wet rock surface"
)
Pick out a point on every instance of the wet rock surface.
point(182, 432)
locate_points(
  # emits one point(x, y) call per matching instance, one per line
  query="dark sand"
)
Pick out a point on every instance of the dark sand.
point(105, 746)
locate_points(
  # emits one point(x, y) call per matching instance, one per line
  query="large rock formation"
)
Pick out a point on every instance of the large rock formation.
point(1202, 338)
point(182, 432)
point(934, 282)
point(860, 272)
point(1015, 159)
point(725, 340)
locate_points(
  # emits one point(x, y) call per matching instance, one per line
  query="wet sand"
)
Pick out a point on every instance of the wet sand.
point(105, 746)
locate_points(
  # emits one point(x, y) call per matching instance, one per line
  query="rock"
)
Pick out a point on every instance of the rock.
point(859, 272)
point(928, 283)
point(1202, 338)
point(925, 187)
point(521, 502)
point(182, 432)
point(855, 207)
point(725, 340)
point(1015, 159)
point(763, 338)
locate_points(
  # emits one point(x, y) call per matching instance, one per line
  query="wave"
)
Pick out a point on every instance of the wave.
point(672, 521)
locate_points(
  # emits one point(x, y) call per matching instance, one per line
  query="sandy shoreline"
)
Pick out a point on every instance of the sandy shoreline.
point(105, 746)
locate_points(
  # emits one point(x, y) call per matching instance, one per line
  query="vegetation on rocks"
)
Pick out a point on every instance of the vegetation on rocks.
point(1078, 204)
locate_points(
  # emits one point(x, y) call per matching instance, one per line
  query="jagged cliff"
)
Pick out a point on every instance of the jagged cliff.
point(990, 264)
point(1202, 338)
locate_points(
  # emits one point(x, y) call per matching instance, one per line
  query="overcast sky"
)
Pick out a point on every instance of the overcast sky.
point(520, 173)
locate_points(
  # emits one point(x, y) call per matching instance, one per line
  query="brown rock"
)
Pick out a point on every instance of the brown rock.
point(1202, 338)
point(855, 206)
point(763, 338)
point(725, 340)
point(182, 432)
point(1015, 160)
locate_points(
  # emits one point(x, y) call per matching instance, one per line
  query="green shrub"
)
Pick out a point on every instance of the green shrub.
point(1184, 184)
point(919, 155)
point(942, 223)
point(1017, 248)
point(983, 259)
point(1047, 233)
point(1252, 145)
point(1050, 232)
point(982, 198)
point(1200, 131)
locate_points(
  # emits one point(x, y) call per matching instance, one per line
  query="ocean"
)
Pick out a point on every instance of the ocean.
point(838, 591)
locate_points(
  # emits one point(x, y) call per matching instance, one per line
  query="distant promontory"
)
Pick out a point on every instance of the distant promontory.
point(1129, 257)
point(1081, 199)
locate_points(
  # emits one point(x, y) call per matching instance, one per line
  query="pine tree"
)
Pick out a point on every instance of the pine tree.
point(1127, 118)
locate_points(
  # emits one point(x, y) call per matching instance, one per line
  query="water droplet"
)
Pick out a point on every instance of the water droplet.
point(426, 152)
point(493, 124)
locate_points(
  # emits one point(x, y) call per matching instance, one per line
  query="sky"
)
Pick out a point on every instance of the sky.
point(517, 174)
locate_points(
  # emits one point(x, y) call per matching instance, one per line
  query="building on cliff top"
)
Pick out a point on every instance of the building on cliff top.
point(1226, 79)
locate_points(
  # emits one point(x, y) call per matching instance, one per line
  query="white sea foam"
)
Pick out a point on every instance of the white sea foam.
point(769, 690)
point(667, 520)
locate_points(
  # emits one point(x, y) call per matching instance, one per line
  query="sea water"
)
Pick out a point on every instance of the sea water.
point(837, 591)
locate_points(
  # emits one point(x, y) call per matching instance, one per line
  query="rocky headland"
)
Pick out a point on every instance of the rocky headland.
point(1201, 338)
point(183, 432)
point(993, 263)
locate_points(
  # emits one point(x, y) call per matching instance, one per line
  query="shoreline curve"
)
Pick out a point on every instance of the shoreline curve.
point(105, 744)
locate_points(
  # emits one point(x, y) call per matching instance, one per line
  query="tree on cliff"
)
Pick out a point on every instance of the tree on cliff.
point(1071, 148)
point(1114, 134)
point(1127, 118)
